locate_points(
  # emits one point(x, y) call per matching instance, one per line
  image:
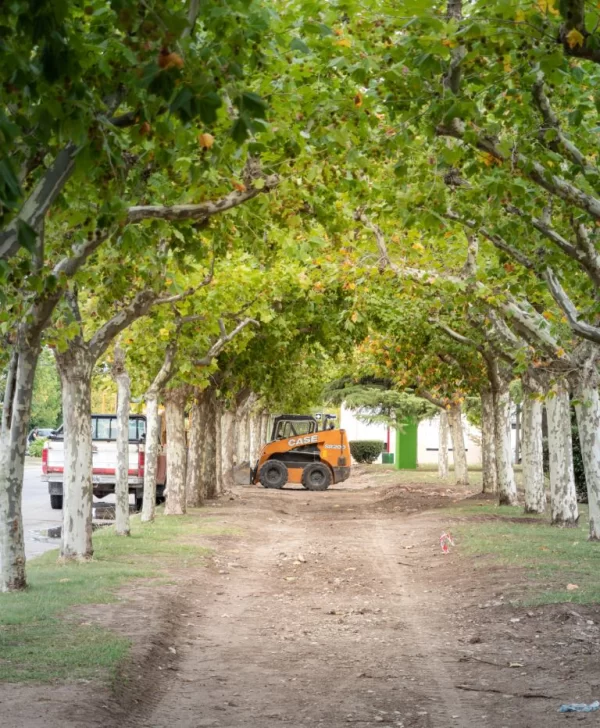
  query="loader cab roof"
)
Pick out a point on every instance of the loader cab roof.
point(285, 426)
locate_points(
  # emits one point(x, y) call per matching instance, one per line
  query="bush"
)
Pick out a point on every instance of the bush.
point(35, 448)
point(366, 451)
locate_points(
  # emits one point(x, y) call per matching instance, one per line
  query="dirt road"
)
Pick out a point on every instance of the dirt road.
point(336, 609)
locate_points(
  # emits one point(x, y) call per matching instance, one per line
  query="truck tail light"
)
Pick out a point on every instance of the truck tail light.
point(45, 459)
point(141, 461)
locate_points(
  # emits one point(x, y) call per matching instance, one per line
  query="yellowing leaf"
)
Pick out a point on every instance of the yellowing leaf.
point(507, 64)
point(418, 246)
point(574, 38)
point(520, 16)
point(206, 140)
point(358, 100)
point(344, 42)
point(547, 6)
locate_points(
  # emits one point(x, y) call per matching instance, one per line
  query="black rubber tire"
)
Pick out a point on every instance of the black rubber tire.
point(273, 474)
point(56, 502)
point(139, 502)
point(316, 476)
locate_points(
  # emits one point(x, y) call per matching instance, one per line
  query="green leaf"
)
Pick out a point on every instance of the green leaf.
point(239, 131)
point(298, 44)
point(26, 236)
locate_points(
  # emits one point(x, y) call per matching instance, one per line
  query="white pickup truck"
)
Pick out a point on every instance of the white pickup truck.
point(104, 460)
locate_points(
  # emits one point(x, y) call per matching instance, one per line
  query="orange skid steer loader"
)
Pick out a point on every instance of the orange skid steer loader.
point(301, 453)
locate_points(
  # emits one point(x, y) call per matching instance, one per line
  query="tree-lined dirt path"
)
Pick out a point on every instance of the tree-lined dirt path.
point(337, 609)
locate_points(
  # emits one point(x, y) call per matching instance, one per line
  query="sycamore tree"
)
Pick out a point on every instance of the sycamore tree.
point(117, 114)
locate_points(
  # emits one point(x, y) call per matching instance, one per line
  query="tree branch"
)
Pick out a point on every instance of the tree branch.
point(201, 211)
point(536, 172)
point(585, 330)
point(218, 346)
point(37, 204)
point(584, 253)
point(551, 121)
point(166, 371)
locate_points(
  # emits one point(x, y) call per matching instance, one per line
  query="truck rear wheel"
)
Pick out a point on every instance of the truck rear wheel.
point(316, 476)
point(56, 502)
point(273, 474)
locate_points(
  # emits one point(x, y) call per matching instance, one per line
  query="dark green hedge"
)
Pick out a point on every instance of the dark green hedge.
point(366, 451)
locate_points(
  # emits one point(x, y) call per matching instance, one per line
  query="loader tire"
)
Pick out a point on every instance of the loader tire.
point(273, 474)
point(316, 476)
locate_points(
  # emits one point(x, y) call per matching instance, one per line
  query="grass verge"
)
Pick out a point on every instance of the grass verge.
point(550, 557)
point(37, 643)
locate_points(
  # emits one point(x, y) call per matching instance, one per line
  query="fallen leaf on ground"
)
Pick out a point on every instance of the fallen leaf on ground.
point(572, 587)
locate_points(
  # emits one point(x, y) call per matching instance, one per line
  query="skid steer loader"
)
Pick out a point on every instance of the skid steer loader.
point(301, 453)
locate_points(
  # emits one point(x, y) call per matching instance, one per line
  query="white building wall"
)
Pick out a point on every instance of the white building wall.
point(428, 442)
point(427, 437)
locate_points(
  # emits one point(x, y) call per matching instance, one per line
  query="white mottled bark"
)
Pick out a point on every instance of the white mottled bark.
point(75, 367)
point(461, 472)
point(122, 527)
point(265, 432)
point(209, 448)
point(488, 442)
point(218, 483)
point(13, 444)
point(255, 437)
point(562, 477)
point(588, 421)
point(227, 448)
point(242, 439)
point(507, 486)
point(518, 427)
point(194, 495)
point(175, 400)
point(443, 446)
point(532, 451)
point(151, 447)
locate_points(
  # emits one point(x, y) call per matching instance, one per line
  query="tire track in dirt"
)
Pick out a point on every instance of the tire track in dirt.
point(429, 638)
point(335, 639)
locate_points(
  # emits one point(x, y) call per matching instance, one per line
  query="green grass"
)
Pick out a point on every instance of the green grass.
point(40, 641)
point(549, 557)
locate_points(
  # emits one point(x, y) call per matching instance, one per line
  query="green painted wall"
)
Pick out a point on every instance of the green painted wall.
point(406, 446)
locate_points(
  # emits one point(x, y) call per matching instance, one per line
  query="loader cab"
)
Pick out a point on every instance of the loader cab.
point(286, 426)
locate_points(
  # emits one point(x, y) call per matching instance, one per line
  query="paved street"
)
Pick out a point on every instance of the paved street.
point(37, 514)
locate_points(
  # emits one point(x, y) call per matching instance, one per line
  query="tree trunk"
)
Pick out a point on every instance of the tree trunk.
point(265, 435)
point(175, 400)
point(532, 450)
point(242, 440)
point(218, 481)
point(507, 486)
point(562, 477)
point(517, 433)
point(194, 494)
point(587, 410)
point(13, 445)
point(227, 448)
point(122, 473)
point(461, 472)
point(75, 367)
point(255, 436)
point(151, 448)
point(209, 448)
point(488, 442)
point(443, 445)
